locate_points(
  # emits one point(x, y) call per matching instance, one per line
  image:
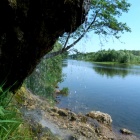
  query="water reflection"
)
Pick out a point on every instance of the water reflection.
point(116, 70)
point(65, 63)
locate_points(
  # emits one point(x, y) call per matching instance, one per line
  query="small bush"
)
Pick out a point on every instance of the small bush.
point(64, 91)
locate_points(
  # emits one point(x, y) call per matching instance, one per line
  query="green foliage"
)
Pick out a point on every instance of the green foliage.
point(65, 55)
point(46, 76)
point(121, 56)
point(103, 20)
point(64, 91)
point(8, 123)
point(107, 14)
point(9, 118)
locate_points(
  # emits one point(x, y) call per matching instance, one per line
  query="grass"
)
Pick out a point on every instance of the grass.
point(12, 127)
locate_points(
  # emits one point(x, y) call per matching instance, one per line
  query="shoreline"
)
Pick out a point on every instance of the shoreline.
point(115, 128)
point(64, 124)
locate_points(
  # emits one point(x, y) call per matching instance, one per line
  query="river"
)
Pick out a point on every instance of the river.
point(113, 89)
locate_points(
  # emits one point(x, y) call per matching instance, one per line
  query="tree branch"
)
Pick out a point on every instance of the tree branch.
point(66, 41)
point(64, 49)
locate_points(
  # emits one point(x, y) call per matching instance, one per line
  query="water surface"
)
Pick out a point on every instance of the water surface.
point(114, 89)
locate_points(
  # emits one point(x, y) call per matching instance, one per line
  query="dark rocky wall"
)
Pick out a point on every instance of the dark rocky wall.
point(28, 30)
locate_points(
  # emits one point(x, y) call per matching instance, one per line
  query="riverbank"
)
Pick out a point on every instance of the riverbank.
point(50, 122)
point(109, 62)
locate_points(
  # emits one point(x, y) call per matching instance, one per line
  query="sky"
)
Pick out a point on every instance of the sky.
point(128, 40)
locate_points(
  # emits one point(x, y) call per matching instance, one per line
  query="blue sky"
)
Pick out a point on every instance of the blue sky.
point(130, 41)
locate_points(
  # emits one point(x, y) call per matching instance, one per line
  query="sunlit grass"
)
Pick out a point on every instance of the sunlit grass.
point(12, 126)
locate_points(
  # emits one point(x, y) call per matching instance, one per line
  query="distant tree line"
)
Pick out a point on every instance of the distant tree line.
point(121, 56)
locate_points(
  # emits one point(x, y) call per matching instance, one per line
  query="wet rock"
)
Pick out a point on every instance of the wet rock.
point(63, 112)
point(105, 137)
point(54, 109)
point(125, 131)
point(72, 116)
point(83, 119)
point(71, 138)
point(97, 130)
point(54, 114)
point(101, 117)
point(86, 130)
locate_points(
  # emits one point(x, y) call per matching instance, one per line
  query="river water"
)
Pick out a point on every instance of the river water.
point(113, 89)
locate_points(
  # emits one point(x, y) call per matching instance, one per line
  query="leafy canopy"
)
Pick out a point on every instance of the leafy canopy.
point(103, 18)
point(106, 14)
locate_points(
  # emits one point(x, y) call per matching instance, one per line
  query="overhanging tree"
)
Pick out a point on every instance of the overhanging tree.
point(103, 20)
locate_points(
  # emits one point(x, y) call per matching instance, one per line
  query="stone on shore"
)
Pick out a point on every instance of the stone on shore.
point(63, 112)
point(101, 117)
point(125, 131)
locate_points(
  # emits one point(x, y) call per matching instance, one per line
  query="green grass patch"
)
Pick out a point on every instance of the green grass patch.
point(12, 127)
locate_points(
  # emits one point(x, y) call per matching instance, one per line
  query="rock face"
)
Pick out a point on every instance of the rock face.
point(29, 29)
point(101, 117)
point(125, 131)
